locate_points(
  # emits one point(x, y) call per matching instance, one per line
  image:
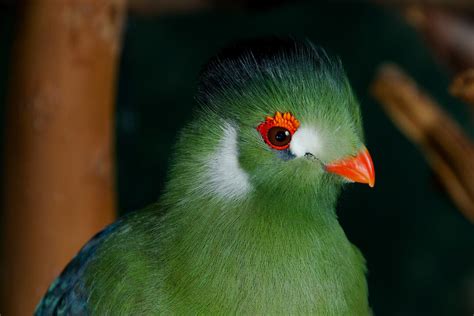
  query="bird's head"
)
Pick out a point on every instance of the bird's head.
point(289, 118)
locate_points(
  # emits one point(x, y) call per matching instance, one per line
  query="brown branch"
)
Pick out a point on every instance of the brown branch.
point(460, 6)
point(447, 149)
point(446, 25)
point(463, 86)
point(450, 35)
point(58, 172)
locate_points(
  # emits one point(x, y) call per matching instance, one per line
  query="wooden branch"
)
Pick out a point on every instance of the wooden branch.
point(58, 170)
point(447, 149)
point(450, 35)
point(463, 86)
point(461, 6)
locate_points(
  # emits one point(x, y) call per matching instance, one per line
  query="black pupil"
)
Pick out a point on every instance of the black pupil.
point(279, 136)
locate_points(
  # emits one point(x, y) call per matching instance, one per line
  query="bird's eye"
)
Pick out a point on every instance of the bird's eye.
point(279, 136)
point(276, 131)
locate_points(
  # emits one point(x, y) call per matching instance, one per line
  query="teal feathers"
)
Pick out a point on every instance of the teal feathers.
point(241, 228)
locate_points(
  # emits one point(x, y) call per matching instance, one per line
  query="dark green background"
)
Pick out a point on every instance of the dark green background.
point(419, 249)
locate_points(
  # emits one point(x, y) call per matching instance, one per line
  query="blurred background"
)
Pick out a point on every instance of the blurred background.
point(94, 92)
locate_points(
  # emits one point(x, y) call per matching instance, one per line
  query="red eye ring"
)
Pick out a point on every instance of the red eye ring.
point(278, 130)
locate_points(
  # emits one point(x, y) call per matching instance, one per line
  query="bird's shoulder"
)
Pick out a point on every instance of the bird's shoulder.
point(69, 294)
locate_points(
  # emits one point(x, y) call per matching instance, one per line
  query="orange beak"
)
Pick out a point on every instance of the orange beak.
point(356, 169)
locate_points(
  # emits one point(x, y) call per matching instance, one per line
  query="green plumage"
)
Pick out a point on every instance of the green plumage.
point(258, 236)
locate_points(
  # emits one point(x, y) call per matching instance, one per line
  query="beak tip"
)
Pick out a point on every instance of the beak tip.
point(357, 169)
point(371, 178)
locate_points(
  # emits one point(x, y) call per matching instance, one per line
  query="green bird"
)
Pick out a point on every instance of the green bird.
point(247, 221)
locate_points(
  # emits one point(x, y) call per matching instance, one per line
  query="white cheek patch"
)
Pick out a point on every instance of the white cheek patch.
point(305, 140)
point(225, 176)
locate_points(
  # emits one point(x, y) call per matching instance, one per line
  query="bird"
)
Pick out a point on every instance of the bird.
point(247, 222)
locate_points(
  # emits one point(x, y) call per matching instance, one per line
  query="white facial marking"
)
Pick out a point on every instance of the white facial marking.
point(305, 140)
point(226, 178)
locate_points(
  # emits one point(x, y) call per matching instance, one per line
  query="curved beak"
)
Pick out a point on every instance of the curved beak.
point(355, 169)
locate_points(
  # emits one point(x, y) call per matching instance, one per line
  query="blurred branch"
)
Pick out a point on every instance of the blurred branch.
point(58, 184)
point(461, 6)
point(463, 86)
point(450, 35)
point(446, 25)
point(447, 149)
point(163, 7)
